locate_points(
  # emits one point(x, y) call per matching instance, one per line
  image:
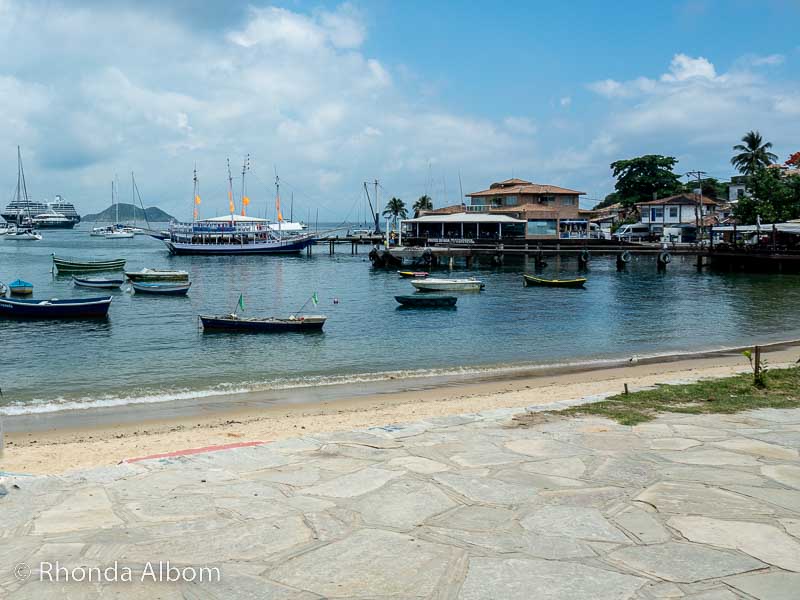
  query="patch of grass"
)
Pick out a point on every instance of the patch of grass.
point(727, 395)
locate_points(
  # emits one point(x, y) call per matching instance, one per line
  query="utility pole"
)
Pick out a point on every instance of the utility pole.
point(698, 209)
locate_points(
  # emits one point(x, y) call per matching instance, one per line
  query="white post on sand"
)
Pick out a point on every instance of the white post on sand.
point(400, 233)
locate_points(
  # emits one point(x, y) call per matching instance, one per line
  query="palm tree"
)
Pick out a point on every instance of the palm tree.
point(423, 203)
point(753, 154)
point(395, 208)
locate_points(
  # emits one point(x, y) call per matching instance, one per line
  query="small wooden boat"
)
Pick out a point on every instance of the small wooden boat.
point(531, 281)
point(157, 275)
point(68, 265)
point(76, 308)
point(98, 282)
point(426, 301)
point(449, 285)
point(413, 274)
point(19, 287)
point(235, 323)
point(163, 289)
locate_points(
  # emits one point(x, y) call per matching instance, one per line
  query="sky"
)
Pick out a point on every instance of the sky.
point(427, 97)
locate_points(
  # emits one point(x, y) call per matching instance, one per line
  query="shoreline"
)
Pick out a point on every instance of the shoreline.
point(89, 440)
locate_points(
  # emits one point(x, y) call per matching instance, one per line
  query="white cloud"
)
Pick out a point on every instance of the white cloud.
point(769, 60)
point(685, 67)
point(565, 101)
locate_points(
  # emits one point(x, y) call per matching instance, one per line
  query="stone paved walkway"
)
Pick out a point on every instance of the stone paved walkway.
point(470, 507)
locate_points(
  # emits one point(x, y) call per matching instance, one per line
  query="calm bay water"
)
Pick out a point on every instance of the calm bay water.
point(152, 349)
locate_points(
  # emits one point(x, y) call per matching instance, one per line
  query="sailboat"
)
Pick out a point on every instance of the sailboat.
point(22, 231)
point(234, 233)
point(117, 232)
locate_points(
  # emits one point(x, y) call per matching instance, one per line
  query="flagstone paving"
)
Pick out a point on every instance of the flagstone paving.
point(483, 506)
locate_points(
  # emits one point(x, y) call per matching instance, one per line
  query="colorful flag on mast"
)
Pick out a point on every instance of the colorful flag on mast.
point(278, 207)
point(315, 298)
point(240, 304)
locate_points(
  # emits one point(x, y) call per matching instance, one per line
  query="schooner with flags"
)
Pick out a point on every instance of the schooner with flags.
point(236, 232)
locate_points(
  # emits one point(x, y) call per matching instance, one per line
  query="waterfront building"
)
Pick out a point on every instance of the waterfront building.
point(674, 219)
point(511, 209)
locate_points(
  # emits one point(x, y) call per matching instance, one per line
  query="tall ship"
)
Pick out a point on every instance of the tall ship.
point(235, 233)
point(57, 214)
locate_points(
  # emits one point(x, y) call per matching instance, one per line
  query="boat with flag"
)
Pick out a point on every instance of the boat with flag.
point(236, 232)
point(235, 323)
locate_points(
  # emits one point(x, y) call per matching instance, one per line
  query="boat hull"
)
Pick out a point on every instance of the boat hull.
point(70, 266)
point(413, 274)
point(83, 308)
point(427, 301)
point(427, 285)
point(156, 276)
point(99, 283)
point(531, 281)
point(241, 325)
point(283, 247)
point(161, 289)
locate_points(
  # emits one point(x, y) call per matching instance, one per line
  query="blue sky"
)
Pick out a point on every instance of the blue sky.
point(414, 93)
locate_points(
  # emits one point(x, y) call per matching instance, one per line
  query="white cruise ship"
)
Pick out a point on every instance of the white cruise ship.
point(24, 210)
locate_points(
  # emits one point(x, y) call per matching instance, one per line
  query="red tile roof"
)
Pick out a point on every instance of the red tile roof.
point(689, 199)
point(523, 188)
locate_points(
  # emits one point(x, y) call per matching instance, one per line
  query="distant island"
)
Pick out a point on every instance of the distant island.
point(128, 213)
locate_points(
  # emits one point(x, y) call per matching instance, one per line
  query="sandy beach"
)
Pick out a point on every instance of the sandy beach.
point(63, 449)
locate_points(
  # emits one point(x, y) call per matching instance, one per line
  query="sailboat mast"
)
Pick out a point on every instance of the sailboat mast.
point(231, 205)
point(133, 198)
point(245, 168)
point(278, 214)
point(194, 193)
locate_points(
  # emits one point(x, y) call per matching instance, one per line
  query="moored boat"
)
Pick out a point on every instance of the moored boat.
point(426, 301)
point(119, 234)
point(163, 289)
point(532, 281)
point(18, 287)
point(413, 274)
point(235, 233)
point(149, 275)
point(23, 235)
point(234, 322)
point(451, 285)
point(98, 282)
point(75, 308)
point(69, 265)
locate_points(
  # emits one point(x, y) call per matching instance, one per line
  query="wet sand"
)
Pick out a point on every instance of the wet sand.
point(59, 442)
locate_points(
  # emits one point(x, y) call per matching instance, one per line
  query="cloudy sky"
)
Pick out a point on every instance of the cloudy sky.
point(413, 93)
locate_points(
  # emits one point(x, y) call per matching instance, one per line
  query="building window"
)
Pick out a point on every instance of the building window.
point(673, 212)
point(547, 200)
point(568, 200)
point(510, 201)
point(656, 212)
point(739, 194)
point(542, 227)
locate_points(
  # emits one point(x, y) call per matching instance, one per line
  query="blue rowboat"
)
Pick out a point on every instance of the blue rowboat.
point(75, 308)
point(20, 287)
point(163, 289)
point(98, 282)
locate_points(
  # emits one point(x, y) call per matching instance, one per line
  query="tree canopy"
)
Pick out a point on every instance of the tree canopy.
point(753, 154)
point(422, 203)
point(395, 208)
point(775, 197)
point(640, 178)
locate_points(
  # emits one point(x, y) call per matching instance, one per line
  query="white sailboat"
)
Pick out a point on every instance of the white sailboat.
point(20, 232)
point(117, 232)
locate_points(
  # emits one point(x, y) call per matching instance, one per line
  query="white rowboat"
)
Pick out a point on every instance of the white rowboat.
point(432, 284)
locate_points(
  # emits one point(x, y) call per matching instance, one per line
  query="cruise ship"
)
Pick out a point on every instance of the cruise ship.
point(43, 214)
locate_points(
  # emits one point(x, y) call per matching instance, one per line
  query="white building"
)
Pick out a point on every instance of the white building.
point(675, 218)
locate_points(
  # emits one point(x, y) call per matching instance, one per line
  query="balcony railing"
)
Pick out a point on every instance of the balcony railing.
point(481, 208)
